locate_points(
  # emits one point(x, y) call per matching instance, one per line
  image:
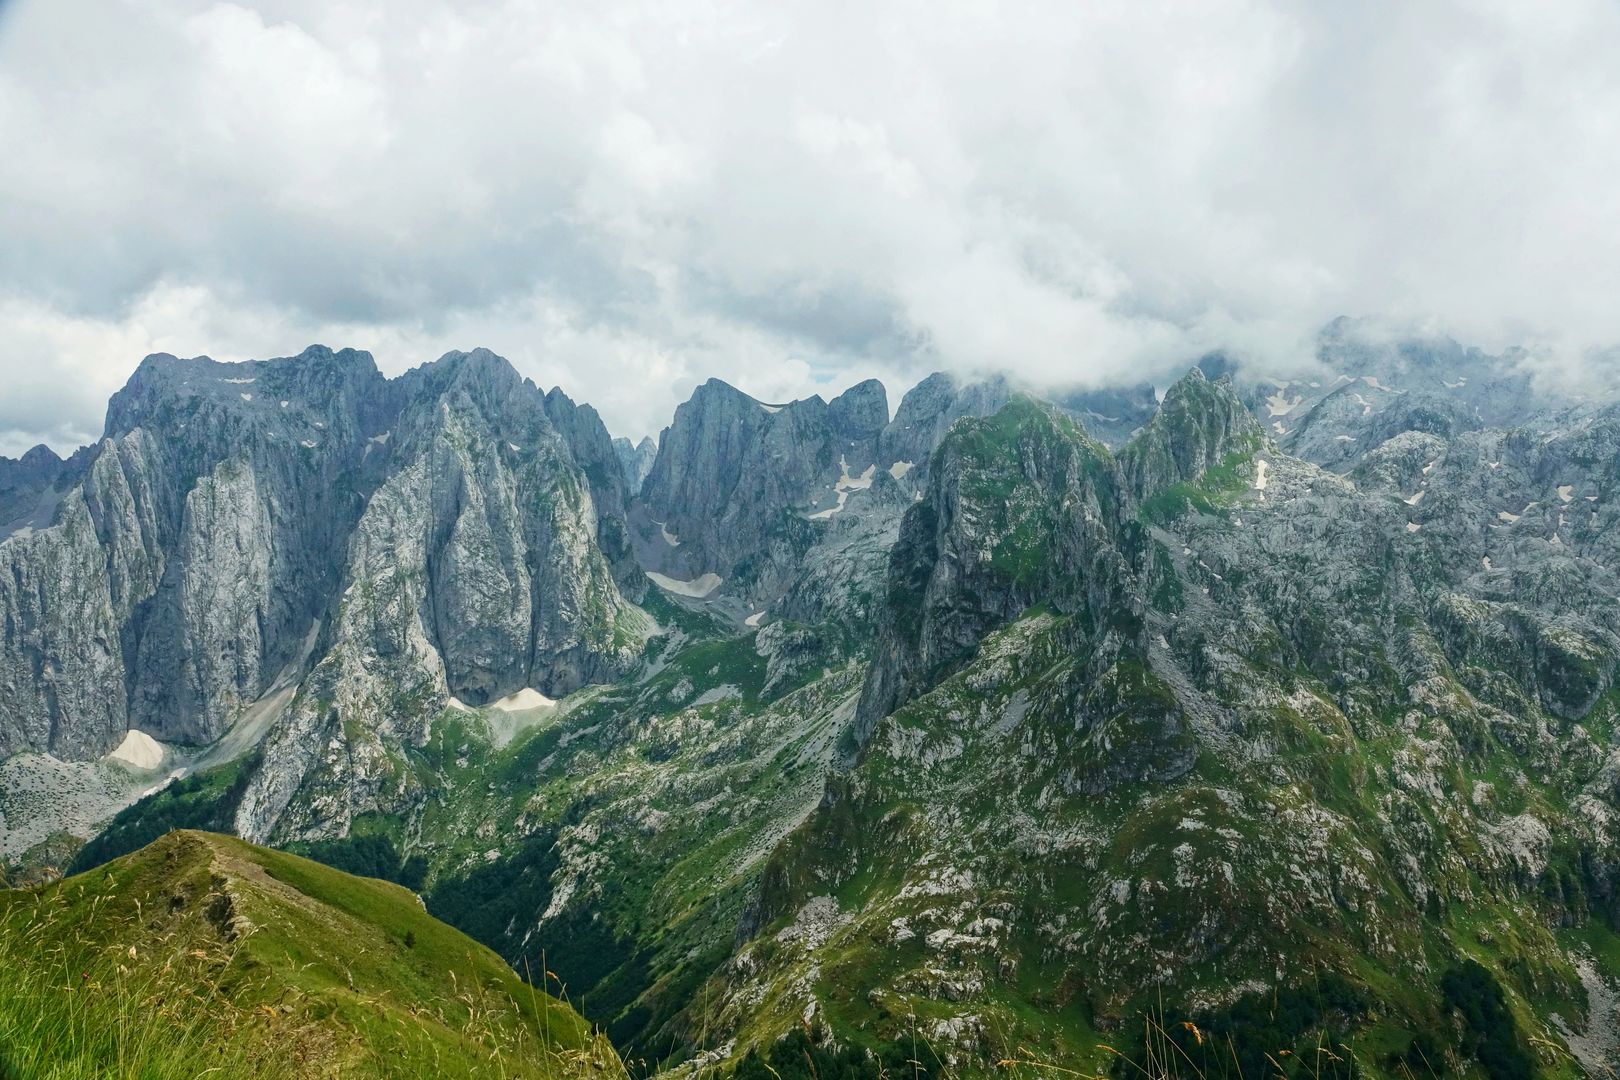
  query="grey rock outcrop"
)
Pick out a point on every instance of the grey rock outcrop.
point(737, 483)
point(24, 482)
point(1199, 426)
point(927, 411)
point(1021, 508)
point(593, 452)
point(635, 461)
point(211, 537)
point(1112, 416)
point(206, 533)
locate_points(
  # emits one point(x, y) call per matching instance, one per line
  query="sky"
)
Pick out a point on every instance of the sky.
point(627, 198)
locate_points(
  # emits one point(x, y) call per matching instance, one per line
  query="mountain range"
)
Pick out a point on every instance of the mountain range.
point(1277, 709)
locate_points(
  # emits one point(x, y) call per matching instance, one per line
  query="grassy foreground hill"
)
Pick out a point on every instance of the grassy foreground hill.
point(204, 955)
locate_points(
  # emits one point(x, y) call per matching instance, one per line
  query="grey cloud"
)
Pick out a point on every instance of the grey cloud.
point(629, 197)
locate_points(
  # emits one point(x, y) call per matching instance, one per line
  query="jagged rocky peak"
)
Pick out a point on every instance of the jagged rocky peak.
point(861, 412)
point(505, 496)
point(1200, 425)
point(737, 482)
point(928, 409)
point(172, 584)
point(1020, 508)
point(481, 568)
point(39, 459)
point(1111, 415)
point(635, 460)
point(22, 483)
point(166, 390)
point(594, 453)
point(195, 557)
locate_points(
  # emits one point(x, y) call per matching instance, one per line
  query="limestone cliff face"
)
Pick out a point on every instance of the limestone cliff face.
point(1198, 426)
point(206, 532)
point(737, 483)
point(635, 461)
point(473, 573)
point(928, 409)
point(594, 453)
point(23, 482)
point(756, 493)
point(215, 533)
point(1021, 508)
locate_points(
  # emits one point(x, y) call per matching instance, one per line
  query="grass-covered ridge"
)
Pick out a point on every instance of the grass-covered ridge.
point(204, 955)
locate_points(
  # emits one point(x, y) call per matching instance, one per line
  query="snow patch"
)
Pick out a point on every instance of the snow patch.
point(140, 750)
point(1566, 492)
point(753, 620)
point(309, 444)
point(1458, 385)
point(843, 486)
point(1281, 404)
point(522, 701)
point(899, 469)
point(697, 588)
point(457, 704)
point(1412, 526)
point(241, 382)
point(1413, 500)
point(247, 397)
point(1260, 468)
point(1503, 515)
point(669, 538)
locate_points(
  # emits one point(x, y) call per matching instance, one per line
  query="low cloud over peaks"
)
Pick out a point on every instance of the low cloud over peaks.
point(626, 199)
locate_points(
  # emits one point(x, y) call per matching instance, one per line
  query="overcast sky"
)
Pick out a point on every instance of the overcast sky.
point(627, 198)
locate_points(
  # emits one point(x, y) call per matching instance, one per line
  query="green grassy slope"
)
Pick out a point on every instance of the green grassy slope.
point(202, 954)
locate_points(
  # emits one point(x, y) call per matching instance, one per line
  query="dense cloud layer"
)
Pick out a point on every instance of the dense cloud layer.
point(626, 198)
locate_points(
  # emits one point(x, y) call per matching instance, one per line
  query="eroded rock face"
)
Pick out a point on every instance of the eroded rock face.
point(441, 527)
point(737, 486)
point(595, 455)
point(208, 528)
point(1021, 508)
point(756, 493)
point(1198, 427)
point(1294, 670)
point(635, 461)
point(24, 483)
point(928, 409)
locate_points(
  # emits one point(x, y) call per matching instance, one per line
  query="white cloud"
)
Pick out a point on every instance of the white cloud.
point(626, 198)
